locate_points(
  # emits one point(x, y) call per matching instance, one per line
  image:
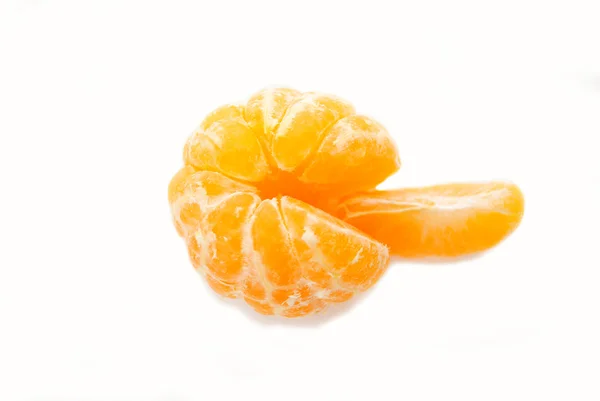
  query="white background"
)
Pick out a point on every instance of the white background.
point(97, 298)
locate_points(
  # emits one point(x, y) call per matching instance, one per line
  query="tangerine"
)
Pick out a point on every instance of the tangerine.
point(248, 200)
point(277, 206)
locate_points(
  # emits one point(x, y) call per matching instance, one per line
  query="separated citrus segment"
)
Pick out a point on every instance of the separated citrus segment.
point(437, 221)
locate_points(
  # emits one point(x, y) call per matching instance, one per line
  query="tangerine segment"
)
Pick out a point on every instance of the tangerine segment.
point(300, 259)
point(193, 193)
point(437, 221)
point(303, 127)
point(216, 244)
point(334, 255)
point(265, 109)
point(223, 232)
point(205, 186)
point(225, 143)
point(271, 253)
point(356, 153)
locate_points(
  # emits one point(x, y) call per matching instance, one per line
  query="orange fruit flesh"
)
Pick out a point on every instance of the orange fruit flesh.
point(437, 221)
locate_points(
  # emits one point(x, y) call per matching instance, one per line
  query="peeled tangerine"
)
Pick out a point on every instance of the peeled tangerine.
point(262, 182)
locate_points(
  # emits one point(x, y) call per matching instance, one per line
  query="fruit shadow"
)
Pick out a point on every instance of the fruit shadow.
point(331, 313)
point(438, 260)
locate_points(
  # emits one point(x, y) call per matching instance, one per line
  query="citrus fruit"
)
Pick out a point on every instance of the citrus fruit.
point(277, 206)
point(441, 220)
point(248, 200)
